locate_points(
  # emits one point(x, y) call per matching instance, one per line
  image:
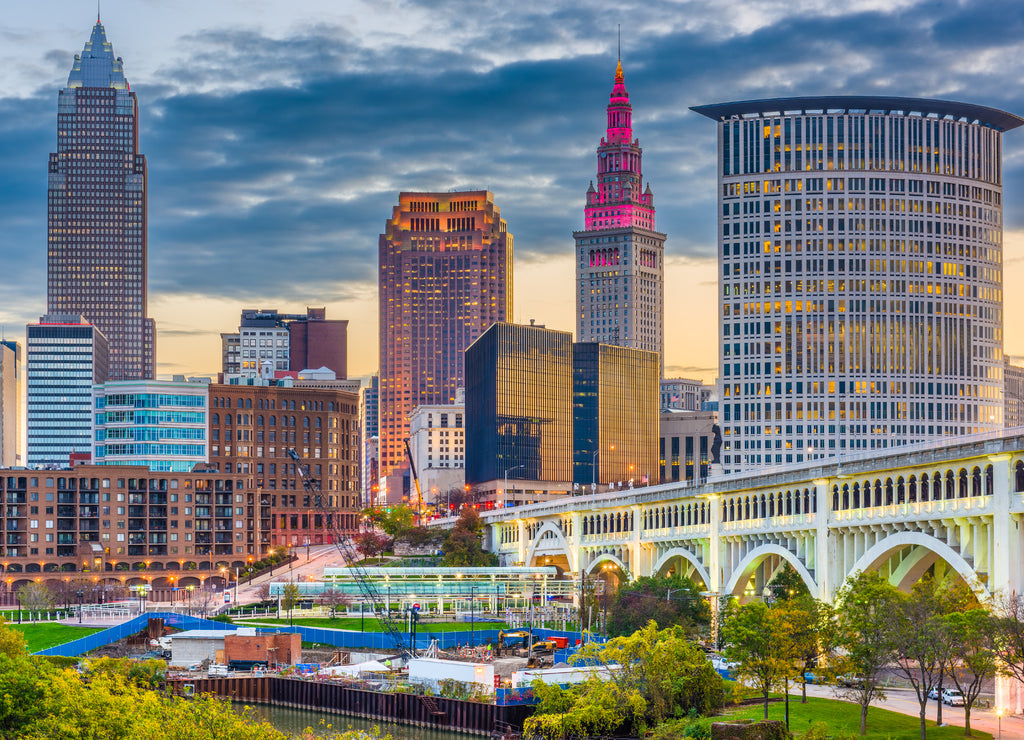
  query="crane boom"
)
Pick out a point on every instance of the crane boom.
point(366, 585)
point(416, 480)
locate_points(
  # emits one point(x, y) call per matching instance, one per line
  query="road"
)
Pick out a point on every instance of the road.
point(320, 556)
point(905, 701)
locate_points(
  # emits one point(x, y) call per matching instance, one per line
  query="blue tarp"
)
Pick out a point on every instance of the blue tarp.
point(378, 641)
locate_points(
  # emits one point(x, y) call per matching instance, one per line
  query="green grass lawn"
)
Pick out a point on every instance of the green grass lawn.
point(844, 716)
point(42, 636)
point(373, 625)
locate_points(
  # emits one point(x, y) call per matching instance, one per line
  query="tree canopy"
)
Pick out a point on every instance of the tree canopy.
point(463, 546)
point(674, 600)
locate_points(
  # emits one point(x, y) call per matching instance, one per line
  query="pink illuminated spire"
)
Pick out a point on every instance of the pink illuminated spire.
point(619, 199)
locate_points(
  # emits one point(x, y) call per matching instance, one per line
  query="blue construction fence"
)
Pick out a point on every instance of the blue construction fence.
point(376, 641)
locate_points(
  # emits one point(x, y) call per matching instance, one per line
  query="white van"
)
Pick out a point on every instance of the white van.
point(218, 670)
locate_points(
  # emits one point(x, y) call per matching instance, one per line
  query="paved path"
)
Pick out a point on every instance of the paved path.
point(905, 701)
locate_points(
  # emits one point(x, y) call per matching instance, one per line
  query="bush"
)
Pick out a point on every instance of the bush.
point(769, 729)
point(689, 728)
point(222, 618)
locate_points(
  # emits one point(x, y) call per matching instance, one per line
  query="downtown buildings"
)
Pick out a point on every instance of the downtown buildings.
point(10, 403)
point(445, 277)
point(96, 210)
point(620, 258)
point(860, 254)
point(285, 342)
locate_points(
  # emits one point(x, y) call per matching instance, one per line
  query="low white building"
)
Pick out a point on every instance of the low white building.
point(195, 646)
point(432, 671)
point(437, 435)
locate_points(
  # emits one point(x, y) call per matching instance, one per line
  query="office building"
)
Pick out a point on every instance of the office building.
point(615, 415)
point(124, 525)
point(64, 357)
point(619, 255)
point(860, 249)
point(285, 343)
point(685, 445)
point(369, 462)
point(252, 429)
point(157, 424)
point(519, 412)
point(10, 403)
point(96, 210)
point(1013, 394)
point(681, 394)
point(437, 437)
point(445, 277)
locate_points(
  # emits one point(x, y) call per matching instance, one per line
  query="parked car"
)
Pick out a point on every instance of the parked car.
point(850, 682)
point(933, 693)
point(809, 677)
point(952, 697)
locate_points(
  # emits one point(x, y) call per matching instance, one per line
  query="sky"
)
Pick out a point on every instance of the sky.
point(279, 133)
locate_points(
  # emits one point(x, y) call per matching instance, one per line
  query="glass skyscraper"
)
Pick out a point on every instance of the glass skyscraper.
point(96, 210)
point(860, 254)
point(445, 276)
point(519, 405)
point(64, 356)
point(615, 414)
point(159, 424)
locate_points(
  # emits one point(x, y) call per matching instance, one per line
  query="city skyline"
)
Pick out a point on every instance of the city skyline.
point(235, 222)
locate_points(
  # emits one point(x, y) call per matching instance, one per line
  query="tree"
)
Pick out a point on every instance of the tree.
point(787, 584)
point(795, 625)
point(36, 597)
point(865, 603)
point(674, 600)
point(421, 536)
point(263, 591)
point(335, 600)
point(752, 646)
point(371, 544)
point(972, 659)
point(463, 547)
point(1008, 634)
point(919, 641)
point(204, 601)
point(651, 675)
point(290, 595)
point(392, 520)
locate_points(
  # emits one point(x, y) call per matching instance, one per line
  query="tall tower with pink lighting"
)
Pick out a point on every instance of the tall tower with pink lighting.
point(619, 256)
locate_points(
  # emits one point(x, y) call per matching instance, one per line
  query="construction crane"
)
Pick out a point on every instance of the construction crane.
point(416, 481)
point(366, 585)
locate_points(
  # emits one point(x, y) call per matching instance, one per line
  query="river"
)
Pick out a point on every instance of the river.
point(294, 721)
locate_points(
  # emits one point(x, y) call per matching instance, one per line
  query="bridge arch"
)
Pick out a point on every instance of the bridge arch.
point(686, 555)
point(745, 568)
point(607, 557)
point(570, 556)
point(919, 561)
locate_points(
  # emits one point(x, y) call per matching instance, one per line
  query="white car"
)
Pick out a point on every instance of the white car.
point(933, 693)
point(952, 697)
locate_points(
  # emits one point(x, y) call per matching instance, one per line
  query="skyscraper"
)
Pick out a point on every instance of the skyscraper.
point(65, 356)
point(10, 403)
point(860, 248)
point(292, 342)
point(619, 255)
point(96, 210)
point(445, 276)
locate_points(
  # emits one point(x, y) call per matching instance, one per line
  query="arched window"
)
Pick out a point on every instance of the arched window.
point(989, 482)
point(937, 487)
point(273, 420)
point(950, 485)
point(912, 494)
point(856, 495)
point(835, 498)
point(227, 418)
point(963, 483)
point(846, 496)
point(976, 481)
point(1018, 477)
point(215, 418)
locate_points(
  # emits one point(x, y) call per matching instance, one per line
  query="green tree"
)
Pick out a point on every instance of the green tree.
point(392, 520)
point(919, 641)
point(290, 595)
point(795, 625)
point(463, 546)
point(651, 675)
point(36, 597)
point(863, 635)
point(752, 646)
point(1008, 634)
point(972, 659)
point(787, 584)
point(674, 600)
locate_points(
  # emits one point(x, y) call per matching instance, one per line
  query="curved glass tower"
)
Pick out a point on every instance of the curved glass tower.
point(860, 254)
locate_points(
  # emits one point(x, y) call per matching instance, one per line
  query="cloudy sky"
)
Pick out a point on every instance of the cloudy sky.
point(278, 134)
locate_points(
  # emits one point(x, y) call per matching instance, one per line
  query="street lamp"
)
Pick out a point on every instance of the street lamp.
point(593, 465)
point(504, 503)
point(472, 616)
point(999, 716)
point(80, 594)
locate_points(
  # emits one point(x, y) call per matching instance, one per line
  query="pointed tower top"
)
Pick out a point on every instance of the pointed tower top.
point(97, 66)
point(619, 79)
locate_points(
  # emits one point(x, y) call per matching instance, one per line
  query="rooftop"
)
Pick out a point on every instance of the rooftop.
point(983, 115)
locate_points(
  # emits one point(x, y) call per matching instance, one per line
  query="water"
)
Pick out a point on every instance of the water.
point(294, 721)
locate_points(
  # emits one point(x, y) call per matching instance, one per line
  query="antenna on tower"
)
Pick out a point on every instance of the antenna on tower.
point(97, 11)
point(620, 39)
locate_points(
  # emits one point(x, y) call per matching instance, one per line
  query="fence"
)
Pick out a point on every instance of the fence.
point(378, 641)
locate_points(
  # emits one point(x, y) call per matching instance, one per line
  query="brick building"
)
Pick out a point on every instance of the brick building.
point(252, 428)
point(124, 525)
